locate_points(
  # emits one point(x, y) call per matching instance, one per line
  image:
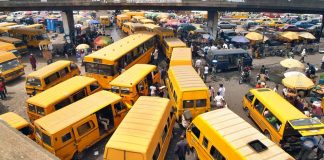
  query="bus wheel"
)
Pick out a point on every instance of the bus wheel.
point(76, 156)
point(267, 134)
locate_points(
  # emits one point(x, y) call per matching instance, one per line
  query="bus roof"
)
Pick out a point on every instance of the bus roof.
point(6, 56)
point(9, 39)
point(146, 20)
point(4, 24)
point(14, 144)
point(60, 91)
point(118, 49)
point(7, 46)
point(76, 111)
point(138, 130)
point(29, 31)
point(138, 17)
point(238, 133)
point(122, 16)
point(264, 94)
point(187, 78)
point(133, 75)
point(174, 42)
point(50, 69)
point(151, 26)
point(181, 54)
point(162, 29)
point(14, 120)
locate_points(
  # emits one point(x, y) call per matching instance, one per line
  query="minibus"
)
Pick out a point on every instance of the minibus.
point(105, 20)
point(10, 67)
point(150, 27)
point(227, 59)
point(187, 91)
point(19, 45)
point(50, 75)
point(169, 44)
point(60, 96)
point(121, 19)
point(146, 21)
point(19, 123)
point(132, 28)
point(163, 33)
point(181, 56)
point(33, 37)
point(108, 62)
point(71, 130)
point(136, 19)
point(9, 47)
point(135, 82)
point(145, 133)
point(221, 134)
point(278, 119)
point(132, 14)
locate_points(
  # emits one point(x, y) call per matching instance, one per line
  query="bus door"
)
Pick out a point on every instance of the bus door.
point(142, 88)
point(105, 119)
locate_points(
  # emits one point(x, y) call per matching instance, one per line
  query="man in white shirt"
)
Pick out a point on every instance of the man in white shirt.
point(285, 92)
point(221, 90)
point(156, 56)
point(198, 63)
point(205, 73)
point(303, 55)
point(219, 100)
point(153, 90)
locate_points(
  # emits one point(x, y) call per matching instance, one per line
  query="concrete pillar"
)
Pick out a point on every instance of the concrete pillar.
point(68, 22)
point(322, 26)
point(212, 23)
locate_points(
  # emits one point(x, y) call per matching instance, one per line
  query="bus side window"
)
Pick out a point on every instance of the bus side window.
point(119, 107)
point(73, 66)
point(63, 72)
point(62, 104)
point(157, 152)
point(79, 95)
point(195, 131)
point(94, 86)
point(259, 106)
point(66, 137)
point(216, 154)
point(164, 133)
point(84, 128)
point(51, 78)
point(273, 120)
point(249, 96)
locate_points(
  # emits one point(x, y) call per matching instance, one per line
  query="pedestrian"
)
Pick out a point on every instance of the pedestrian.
point(258, 85)
point(153, 90)
point(205, 73)
point(221, 90)
point(276, 88)
point(225, 46)
point(211, 93)
point(198, 64)
point(155, 57)
point(163, 75)
point(303, 55)
point(206, 49)
point(4, 83)
point(320, 147)
point(263, 70)
point(181, 148)
point(308, 144)
point(219, 99)
point(2, 90)
point(32, 61)
point(213, 47)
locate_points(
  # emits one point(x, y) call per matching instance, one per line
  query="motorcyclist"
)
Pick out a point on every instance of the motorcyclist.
point(245, 74)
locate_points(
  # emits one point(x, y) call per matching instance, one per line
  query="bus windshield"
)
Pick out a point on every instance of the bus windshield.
point(9, 65)
point(305, 122)
point(19, 44)
point(32, 81)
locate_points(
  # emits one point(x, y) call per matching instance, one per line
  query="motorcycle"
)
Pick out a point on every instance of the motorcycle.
point(245, 75)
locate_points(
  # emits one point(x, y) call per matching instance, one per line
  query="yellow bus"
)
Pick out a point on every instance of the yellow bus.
point(60, 96)
point(136, 19)
point(150, 27)
point(33, 37)
point(181, 56)
point(71, 130)
point(121, 19)
point(19, 45)
point(146, 21)
point(163, 33)
point(135, 82)
point(105, 20)
point(145, 132)
point(132, 14)
point(221, 134)
point(278, 119)
point(10, 67)
point(187, 91)
point(36, 26)
point(169, 44)
point(5, 24)
point(108, 62)
point(50, 75)
point(19, 123)
point(9, 47)
point(131, 28)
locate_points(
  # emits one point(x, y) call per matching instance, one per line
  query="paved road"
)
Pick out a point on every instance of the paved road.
point(234, 93)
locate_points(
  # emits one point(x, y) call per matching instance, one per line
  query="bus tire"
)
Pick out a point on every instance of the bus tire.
point(267, 134)
point(246, 111)
point(75, 156)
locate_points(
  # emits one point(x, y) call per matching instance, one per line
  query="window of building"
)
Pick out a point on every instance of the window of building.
point(66, 137)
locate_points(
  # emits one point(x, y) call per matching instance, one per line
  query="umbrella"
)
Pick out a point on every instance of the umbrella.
point(254, 36)
point(306, 35)
point(188, 28)
point(240, 39)
point(293, 73)
point(94, 22)
point(82, 46)
point(290, 35)
point(103, 41)
point(291, 63)
point(298, 82)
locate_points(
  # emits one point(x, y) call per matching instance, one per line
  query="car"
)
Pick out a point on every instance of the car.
point(248, 24)
point(276, 24)
point(315, 21)
point(228, 35)
point(226, 25)
point(291, 21)
point(291, 28)
point(303, 24)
